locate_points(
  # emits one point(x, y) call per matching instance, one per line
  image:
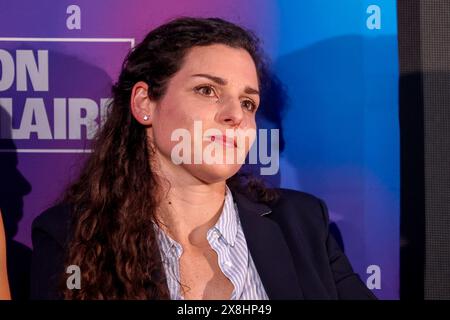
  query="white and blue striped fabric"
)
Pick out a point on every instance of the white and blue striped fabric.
point(227, 238)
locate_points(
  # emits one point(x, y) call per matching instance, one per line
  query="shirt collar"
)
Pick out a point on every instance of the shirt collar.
point(227, 225)
point(166, 243)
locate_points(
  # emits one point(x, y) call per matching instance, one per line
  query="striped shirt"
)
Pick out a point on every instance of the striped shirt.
point(227, 239)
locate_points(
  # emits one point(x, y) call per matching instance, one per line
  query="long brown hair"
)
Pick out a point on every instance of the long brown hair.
point(114, 200)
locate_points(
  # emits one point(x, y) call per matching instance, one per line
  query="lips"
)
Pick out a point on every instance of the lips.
point(226, 141)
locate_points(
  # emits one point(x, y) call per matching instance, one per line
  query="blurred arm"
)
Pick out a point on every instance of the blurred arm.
point(4, 284)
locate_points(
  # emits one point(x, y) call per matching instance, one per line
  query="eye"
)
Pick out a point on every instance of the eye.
point(249, 105)
point(205, 91)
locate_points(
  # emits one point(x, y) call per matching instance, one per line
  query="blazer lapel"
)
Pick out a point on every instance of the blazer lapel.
point(268, 249)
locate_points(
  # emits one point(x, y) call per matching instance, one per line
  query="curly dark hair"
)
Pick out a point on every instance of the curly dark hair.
point(111, 236)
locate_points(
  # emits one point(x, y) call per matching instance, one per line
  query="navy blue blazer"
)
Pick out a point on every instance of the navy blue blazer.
point(294, 253)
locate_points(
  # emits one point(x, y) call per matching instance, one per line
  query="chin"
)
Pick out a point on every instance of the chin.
point(213, 173)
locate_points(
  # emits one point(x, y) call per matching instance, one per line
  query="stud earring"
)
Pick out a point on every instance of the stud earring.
point(146, 117)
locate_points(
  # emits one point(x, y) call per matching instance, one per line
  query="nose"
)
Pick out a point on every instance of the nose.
point(230, 113)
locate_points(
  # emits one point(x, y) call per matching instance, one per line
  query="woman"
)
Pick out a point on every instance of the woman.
point(4, 286)
point(141, 225)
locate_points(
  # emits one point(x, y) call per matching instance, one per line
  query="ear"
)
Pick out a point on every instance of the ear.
point(142, 107)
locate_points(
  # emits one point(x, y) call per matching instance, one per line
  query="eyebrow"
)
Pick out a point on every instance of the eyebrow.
point(223, 82)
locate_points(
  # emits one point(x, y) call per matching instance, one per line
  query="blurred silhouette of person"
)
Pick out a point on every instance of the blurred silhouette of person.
point(13, 187)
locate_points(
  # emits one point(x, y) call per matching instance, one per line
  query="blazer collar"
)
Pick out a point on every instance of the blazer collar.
point(268, 249)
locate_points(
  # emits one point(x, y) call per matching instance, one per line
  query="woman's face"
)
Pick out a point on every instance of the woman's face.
point(213, 100)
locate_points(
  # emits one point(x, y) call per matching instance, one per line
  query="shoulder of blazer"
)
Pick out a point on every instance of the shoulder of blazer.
point(301, 209)
point(54, 222)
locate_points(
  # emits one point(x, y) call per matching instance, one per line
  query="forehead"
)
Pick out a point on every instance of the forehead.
point(233, 64)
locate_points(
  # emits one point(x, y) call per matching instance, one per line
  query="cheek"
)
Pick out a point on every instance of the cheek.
point(252, 132)
point(181, 111)
point(173, 114)
point(163, 128)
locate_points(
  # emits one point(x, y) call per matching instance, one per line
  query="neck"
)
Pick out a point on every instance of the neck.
point(189, 206)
